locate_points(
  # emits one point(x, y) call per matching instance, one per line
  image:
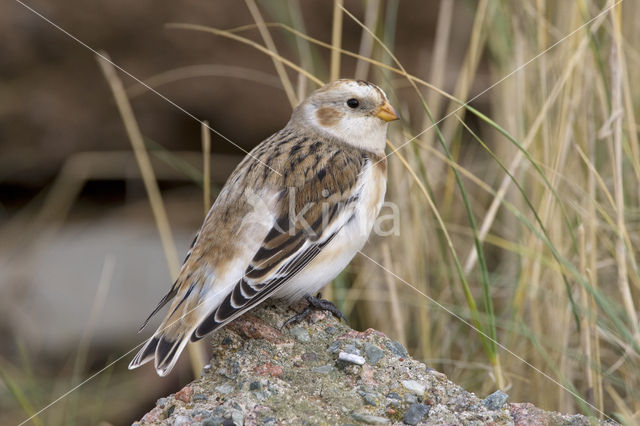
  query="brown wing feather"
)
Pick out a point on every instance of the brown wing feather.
point(316, 198)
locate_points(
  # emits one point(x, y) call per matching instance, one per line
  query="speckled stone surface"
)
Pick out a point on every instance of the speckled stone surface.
point(261, 375)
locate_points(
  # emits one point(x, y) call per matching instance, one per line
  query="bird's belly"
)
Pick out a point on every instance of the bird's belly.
point(324, 268)
point(344, 246)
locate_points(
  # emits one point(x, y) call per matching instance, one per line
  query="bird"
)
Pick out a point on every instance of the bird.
point(289, 219)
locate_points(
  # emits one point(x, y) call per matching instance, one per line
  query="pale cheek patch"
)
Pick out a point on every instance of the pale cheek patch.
point(328, 117)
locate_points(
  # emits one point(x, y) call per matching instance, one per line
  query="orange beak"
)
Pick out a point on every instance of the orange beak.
point(386, 112)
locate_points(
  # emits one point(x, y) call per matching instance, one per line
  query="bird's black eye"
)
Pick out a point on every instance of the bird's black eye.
point(353, 103)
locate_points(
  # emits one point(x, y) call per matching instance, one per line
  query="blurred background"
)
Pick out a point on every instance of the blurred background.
point(519, 212)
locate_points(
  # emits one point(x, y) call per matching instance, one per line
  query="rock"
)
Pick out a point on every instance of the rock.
point(415, 413)
point(213, 421)
point(237, 416)
point(251, 327)
point(370, 398)
point(152, 416)
point(170, 410)
point(369, 419)
point(410, 398)
point(330, 330)
point(224, 389)
point(396, 348)
point(334, 347)
point(300, 334)
point(525, 413)
point(324, 369)
point(260, 376)
point(351, 358)
point(205, 370)
point(309, 357)
point(496, 400)
point(181, 421)
point(268, 369)
point(199, 397)
point(413, 387)
point(393, 395)
point(348, 368)
point(367, 374)
point(317, 316)
point(373, 353)
point(351, 349)
point(184, 394)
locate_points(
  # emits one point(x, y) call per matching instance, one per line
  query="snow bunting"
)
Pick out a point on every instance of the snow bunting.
point(290, 217)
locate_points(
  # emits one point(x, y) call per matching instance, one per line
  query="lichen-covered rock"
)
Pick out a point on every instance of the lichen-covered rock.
point(324, 372)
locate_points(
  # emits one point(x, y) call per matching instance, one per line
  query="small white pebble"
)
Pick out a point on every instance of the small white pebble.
point(224, 389)
point(353, 359)
point(414, 387)
point(206, 369)
point(181, 421)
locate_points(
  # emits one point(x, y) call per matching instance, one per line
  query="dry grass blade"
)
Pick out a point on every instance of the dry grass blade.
point(366, 41)
point(396, 316)
point(438, 62)
point(206, 166)
point(592, 263)
point(336, 40)
point(470, 65)
point(627, 92)
point(619, 191)
point(271, 46)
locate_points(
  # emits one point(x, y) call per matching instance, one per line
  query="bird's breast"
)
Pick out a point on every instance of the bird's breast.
point(374, 186)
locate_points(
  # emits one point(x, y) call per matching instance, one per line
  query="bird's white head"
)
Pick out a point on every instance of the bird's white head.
point(352, 111)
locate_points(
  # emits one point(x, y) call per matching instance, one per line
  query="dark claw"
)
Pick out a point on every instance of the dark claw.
point(315, 303)
point(297, 317)
point(325, 305)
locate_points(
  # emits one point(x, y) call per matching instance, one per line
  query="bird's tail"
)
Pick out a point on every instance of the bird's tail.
point(164, 347)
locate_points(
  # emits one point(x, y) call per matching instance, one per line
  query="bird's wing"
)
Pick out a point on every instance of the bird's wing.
point(307, 220)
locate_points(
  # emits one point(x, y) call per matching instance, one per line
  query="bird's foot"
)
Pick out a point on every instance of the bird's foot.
point(315, 303)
